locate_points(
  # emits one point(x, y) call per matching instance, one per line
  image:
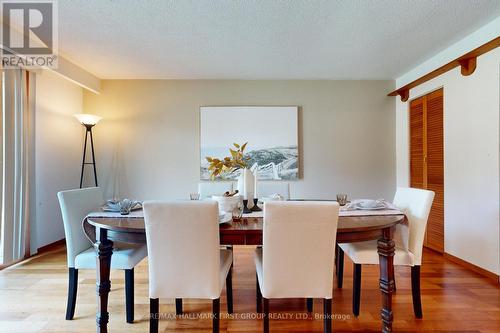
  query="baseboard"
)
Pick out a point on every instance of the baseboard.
point(472, 267)
point(41, 250)
point(52, 246)
point(4, 266)
point(434, 250)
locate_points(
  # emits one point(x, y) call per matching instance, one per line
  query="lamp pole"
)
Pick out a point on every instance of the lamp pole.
point(88, 130)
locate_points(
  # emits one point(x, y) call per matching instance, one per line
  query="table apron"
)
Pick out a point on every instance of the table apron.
point(245, 238)
point(241, 238)
point(358, 236)
point(127, 237)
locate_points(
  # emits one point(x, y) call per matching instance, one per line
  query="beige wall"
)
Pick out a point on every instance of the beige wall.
point(148, 143)
point(58, 149)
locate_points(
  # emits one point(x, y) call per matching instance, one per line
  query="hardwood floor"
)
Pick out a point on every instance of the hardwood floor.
point(33, 299)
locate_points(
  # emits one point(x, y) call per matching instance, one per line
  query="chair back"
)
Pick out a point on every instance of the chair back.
point(207, 189)
point(299, 249)
point(183, 249)
point(416, 204)
point(268, 188)
point(75, 205)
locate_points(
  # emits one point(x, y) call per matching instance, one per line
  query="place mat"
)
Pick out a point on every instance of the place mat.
point(347, 212)
point(140, 214)
point(133, 214)
point(369, 204)
point(254, 214)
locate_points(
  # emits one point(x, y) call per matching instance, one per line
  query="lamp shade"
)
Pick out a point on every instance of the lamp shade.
point(87, 119)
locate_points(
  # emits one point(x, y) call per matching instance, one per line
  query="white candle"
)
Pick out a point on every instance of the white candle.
point(255, 187)
point(248, 188)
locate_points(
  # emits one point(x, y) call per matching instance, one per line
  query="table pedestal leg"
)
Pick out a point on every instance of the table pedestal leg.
point(104, 250)
point(386, 258)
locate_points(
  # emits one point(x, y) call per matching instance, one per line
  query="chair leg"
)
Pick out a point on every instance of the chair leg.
point(266, 315)
point(394, 289)
point(229, 290)
point(415, 291)
point(129, 294)
point(327, 319)
point(309, 305)
point(215, 315)
point(154, 315)
point(72, 289)
point(356, 289)
point(178, 306)
point(340, 267)
point(259, 295)
point(336, 257)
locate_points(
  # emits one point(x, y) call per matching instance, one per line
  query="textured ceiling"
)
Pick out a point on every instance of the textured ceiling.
point(231, 39)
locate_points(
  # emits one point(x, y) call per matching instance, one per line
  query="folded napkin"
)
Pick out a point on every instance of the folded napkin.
point(368, 204)
point(125, 205)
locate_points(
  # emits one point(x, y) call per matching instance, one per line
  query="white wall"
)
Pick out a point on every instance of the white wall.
point(77, 75)
point(58, 150)
point(479, 37)
point(471, 165)
point(148, 142)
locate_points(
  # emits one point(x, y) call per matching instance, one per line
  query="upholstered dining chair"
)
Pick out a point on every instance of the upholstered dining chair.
point(207, 189)
point(409, 241)
point(185, 260)
point(268, 188)
point(75, 205)
point(296, 258)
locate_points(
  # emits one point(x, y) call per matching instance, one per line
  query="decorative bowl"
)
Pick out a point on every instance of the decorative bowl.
point(227, 204)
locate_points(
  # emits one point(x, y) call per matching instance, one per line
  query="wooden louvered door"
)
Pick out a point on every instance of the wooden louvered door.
point(427, 159)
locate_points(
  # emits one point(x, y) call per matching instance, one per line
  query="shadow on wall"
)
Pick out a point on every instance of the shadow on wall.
point(116, 184)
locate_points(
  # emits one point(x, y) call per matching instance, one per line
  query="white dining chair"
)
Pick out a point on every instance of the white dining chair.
point(75, 205)
point(267, 188)
point(296, 258)
point(409, 240)
point(209, 188)
point(185, 260)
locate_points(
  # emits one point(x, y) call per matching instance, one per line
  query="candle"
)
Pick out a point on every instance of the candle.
point(248, 180)
point(256, 179)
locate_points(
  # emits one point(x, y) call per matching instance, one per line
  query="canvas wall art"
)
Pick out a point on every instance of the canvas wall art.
point(271, 133)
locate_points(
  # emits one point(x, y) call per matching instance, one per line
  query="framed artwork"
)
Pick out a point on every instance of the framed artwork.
point(271, 133)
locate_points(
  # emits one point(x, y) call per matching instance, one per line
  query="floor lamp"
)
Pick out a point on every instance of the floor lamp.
point(89, 121)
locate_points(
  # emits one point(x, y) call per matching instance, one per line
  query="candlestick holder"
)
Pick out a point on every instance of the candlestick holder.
point(246, 210)
point(256, 208)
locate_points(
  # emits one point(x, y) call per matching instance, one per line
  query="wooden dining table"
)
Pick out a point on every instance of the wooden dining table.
point(103, 231)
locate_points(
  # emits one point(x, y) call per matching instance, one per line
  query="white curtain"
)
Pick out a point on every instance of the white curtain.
point(18, 158)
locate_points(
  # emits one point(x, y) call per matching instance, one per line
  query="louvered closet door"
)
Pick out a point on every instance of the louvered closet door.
point(427, 159)
point(417, 172)
point(435, 169)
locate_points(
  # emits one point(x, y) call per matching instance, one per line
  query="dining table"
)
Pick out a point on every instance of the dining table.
point(104, 229)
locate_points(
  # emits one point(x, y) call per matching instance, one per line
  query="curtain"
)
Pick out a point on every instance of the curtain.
point(18, 169)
